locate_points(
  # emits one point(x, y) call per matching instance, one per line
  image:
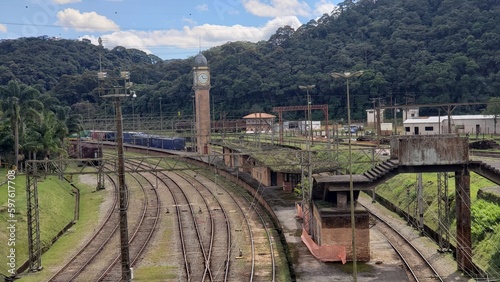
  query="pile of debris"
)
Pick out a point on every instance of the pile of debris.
point(484, 144)
point(383, 140)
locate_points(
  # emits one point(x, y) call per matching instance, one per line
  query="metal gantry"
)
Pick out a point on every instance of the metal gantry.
point(280, 111)
point(33, 219)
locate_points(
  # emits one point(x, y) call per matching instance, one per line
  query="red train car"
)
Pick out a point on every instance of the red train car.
point(82, 150)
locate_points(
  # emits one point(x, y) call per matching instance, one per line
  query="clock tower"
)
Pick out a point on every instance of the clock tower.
point(201, 86)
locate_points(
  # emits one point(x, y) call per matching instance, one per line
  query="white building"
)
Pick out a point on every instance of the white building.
point(471, 124)
point(371, 117)
point(410, 113)
point(305, 125)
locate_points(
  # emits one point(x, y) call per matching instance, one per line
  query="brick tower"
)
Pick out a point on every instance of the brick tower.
point(201, 86)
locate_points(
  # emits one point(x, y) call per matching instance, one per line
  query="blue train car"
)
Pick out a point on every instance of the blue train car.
point(175, 143)
point(141, 139)
point(154, 141)
point(179, 143)
point(166, 143)
point(128, 137)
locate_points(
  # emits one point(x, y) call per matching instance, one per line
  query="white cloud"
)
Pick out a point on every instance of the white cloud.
point(62, 2)
point(189, 21)
point(277, 8)
point(89, 22)
point(3, 28)
point(202, 8)
point(189, 37)
point(324, 7)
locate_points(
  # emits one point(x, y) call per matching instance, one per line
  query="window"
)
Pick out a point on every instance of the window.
point(429, 128)
point(407, 129)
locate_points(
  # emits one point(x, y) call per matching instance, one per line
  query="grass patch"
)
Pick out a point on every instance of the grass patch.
point(156, 273)
point(401, 190)
point(90, 202)
point(56, 204)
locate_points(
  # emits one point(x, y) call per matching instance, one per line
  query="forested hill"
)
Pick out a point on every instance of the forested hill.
point(432, 50)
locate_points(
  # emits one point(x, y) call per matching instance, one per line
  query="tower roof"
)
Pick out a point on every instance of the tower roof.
point(200, 60)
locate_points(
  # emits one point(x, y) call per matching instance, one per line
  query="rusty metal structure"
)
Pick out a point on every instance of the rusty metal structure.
point(280, 111)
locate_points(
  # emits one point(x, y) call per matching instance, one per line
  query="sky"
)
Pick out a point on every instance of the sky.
point(166, 28)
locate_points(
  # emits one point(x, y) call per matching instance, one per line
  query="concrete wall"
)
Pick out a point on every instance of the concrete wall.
point(430, 150)
point(333, 227)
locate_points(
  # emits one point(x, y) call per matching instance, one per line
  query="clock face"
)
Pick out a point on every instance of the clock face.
point(203, 78)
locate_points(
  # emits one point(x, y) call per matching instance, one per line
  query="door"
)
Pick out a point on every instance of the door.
point(416, 130)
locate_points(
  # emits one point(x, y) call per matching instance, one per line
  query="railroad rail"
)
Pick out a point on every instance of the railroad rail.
point(205, 232)
point(142, 231)
point(237, 200)
point(419, 268)
point(218, 255)
point(194, 254)
point(219, 247)
point(107, 229)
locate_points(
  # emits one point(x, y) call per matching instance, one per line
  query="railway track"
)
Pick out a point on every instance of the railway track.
point(78, 263)
point(488, 154)
point(218, 235)
point(188, 221)
point(417, 266)
point(87, 262)
point(205, 212)
point(142, 231)
point(250, 222)
point(207, 226)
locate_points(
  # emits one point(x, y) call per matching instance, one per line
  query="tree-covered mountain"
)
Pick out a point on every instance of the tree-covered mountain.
point(435, 51)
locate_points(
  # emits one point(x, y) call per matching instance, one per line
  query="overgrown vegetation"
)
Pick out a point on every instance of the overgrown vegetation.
point(56, 204)
point(401, 190)
point(90, 201)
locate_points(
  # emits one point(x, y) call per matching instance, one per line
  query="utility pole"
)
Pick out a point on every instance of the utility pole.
point(117, 87)
point(420, 203)
point(395, 119)
point(347, 76)
point(376, 114)
point(161, 118)
point(309, 117)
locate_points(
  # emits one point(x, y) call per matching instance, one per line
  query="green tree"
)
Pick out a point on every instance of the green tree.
point(46, 136)
point(16, 99)
point(493, 108)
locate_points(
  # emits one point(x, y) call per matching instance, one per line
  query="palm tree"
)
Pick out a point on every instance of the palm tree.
point(16, 99)
point(47, 136)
